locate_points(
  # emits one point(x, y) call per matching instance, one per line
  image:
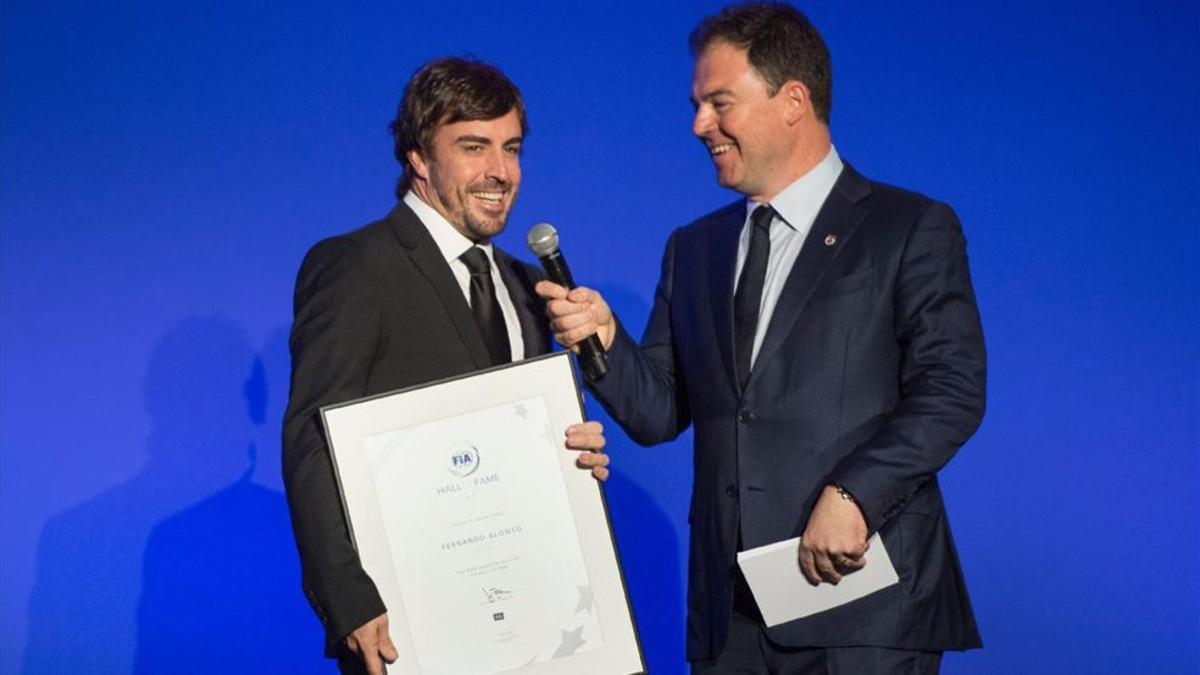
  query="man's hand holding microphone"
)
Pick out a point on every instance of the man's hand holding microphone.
point(579, 318)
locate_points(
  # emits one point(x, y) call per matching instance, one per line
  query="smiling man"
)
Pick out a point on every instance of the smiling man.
point(418, 296)
point(821, 334)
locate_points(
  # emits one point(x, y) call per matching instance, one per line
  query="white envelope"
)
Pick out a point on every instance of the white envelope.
point(783, 594)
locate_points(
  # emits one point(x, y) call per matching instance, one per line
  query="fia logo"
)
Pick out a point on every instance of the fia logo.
point(464, 460)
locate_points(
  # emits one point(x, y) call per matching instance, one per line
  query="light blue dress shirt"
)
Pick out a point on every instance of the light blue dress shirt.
point(796, 207)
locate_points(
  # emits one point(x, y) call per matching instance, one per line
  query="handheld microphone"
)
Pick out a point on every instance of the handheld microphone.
point(543, 241)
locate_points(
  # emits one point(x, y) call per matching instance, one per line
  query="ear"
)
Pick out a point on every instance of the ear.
point(797, 101)
point(419, 166)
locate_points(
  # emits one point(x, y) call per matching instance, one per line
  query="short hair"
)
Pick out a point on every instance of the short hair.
point(445, 91)
point(781, 44)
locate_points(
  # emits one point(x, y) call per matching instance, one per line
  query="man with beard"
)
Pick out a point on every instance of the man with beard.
point(418, 296)
point(822, 335)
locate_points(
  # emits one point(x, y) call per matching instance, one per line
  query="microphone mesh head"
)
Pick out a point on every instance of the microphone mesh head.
point(542, 239)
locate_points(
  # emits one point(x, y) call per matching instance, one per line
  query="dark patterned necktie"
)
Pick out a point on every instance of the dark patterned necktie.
point(748, 297)
point(485, 307)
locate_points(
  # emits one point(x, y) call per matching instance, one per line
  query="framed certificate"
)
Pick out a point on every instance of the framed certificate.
point(491, 548)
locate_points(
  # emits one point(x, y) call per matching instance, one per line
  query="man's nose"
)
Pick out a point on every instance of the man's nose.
point(498, 165)
point(702, 122)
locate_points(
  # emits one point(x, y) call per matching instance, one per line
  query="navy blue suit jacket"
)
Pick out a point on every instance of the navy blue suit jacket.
point(871, 375)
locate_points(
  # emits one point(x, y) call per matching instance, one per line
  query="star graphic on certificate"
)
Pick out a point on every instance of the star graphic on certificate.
point(585, 599)
point(572, 640)
point(520, 410)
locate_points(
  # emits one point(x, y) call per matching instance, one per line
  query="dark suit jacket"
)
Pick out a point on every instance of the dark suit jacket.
point(871, 375)
point(377, 309)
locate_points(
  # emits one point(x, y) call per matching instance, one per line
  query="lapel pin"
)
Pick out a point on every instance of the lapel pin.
point(830, 239)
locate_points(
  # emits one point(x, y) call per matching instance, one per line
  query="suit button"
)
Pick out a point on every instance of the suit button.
point(745, 417)
point(730, 491)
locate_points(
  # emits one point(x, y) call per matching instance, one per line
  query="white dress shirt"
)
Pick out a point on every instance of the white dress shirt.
point(796, 208)
point(453, 244)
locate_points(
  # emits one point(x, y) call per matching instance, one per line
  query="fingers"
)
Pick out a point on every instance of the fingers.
point(576, 314)
point(386, 649)
point(589, 437)
point(820, 564)
point(598, 463)
point(365, 643)
point(571, 322)
point(583, 295)
point(825, 568)
point(371, 660)
point(568, 316)
point(561, 303)
point(549, 290)
point(585, 436)
point(808, 566)
point(847, 564)
point(589, 458)
point(371, 641)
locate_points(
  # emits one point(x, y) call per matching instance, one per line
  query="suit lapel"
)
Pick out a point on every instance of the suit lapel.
point(427, 258)
point(723, 263)
point(528, 305)
point(835, 222)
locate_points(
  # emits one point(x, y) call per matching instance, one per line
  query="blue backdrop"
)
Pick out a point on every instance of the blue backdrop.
point(166, 165)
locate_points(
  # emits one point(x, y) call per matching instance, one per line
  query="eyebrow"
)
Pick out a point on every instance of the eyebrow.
point(471, 138)
point(711, 95)
point(484, 140)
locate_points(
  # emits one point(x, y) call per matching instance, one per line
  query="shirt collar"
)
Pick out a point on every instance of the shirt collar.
point(450, 241)
point(798, 203)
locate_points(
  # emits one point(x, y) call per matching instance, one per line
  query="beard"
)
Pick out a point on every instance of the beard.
point(475, 223)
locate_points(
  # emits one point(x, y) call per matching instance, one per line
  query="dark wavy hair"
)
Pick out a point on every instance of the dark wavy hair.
point(781, 44)
point(445, 91)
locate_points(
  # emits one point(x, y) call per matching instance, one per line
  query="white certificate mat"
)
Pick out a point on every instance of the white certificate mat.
point(783, 594)
point(490, 546)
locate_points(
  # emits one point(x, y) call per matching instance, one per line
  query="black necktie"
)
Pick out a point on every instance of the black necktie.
point(749, 289)
point(484, 306)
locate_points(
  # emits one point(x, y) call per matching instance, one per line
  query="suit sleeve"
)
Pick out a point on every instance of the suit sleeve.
point(335, 336)
point(643, 390)
point(942, 372)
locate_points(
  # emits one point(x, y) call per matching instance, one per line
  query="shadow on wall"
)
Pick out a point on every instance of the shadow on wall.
point(189, 566)
point(274, 362)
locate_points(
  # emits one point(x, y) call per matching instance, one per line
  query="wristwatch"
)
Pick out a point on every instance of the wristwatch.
point(843, 493)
